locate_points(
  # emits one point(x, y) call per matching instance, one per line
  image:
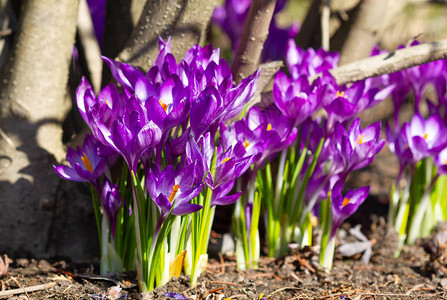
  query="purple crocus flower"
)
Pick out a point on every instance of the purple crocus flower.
point(173, 191)
point(228, 165)
point(133, 134)
point(441, 161)
point(243, 140)
point(99, 111)
point(125, 74)
point(199, 58)
point(360, 146)
point(426, 137)
point(344, 206)
point(220, 103)
point(168, 105)
point(110, 202)
point(422, 75)
point(176, 296)
point(274, 129)
point(343, 103)
point(85, 163)
point(204, 111)
point(124, 126)
point(296, 99)
point(221, 197)
point(308, 62)
point(398, 144)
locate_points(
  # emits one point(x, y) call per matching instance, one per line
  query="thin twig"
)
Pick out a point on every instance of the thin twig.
point(283, 289)
point(26, 290)
point(6, 32)
point(390, 62)
point(224, 282)
point(325, 18)
point(253, 37)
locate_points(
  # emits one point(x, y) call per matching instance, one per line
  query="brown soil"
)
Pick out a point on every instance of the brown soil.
point(418, 273)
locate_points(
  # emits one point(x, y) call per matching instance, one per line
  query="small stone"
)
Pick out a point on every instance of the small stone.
point(45, 267)
point(22, 262)
point(443, 283)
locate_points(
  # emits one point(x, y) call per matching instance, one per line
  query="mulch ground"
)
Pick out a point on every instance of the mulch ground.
point(418, 273)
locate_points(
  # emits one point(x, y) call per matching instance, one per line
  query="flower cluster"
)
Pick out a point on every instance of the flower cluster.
point(164, 124)
point(420, 147)
point(313, 154)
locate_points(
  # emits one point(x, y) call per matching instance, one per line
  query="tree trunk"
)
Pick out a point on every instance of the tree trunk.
point(365, 30)
point(185, 21)
point(33, 105)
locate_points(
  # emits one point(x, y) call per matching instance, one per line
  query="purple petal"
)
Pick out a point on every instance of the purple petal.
point(186, 208)
point(176, 296)
point(123, 73)
point(68, 173)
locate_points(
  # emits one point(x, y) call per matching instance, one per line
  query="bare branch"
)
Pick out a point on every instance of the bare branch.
point(390, 62)
point(185, 21)
point(325, 18)
point(253, 37)
point(29, 289)
point(380, 64)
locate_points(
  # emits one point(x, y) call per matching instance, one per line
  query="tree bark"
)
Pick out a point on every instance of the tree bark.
point(390, 62)
point(365, 30)
point(184, 20)
point(256, 30)
point(121, 18)
point(33, 105)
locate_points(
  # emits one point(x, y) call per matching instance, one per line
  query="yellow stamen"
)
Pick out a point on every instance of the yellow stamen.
point(359, 139)
point(87, 163)
point(173, 192)
point(345, 202)
point(269, 127)
point(425, 136)
point(340, 94)
point(246, 144)
point(165, 106)
point(225, 160)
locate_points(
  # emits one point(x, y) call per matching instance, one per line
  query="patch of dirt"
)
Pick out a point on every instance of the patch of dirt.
point(419, 273)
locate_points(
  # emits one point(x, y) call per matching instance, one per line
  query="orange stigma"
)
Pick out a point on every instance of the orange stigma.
point(246, 144)
point(87, 163)
point(425, 136)
point(345, 202)
point(165, 106)
point(173, 192)
point(269, 127)
point(359, 139)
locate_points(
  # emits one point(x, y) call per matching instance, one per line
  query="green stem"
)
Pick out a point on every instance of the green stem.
point(98, 215)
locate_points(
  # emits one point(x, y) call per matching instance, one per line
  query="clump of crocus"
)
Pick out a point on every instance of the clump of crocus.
point(419, 145)
point(165, 126)
point(90, 163)
point(417, 196)
point(327, 148)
